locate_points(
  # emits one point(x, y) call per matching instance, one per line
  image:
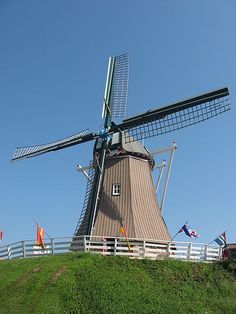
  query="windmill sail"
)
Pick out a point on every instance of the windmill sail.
point(177, 116)
point(119, 90)
point(82, 226)
point(116, 91)
point(32, 151)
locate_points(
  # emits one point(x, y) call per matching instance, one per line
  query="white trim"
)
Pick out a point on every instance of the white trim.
point(116, 187)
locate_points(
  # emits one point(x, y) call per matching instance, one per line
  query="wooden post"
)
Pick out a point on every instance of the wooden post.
point(144, 248)
point(220, 253)
point(205, 252)
point(85, 244)
point(52, 246)
point(189, 251)
point(9, 252)
point(115, 246)
point(168, 249)
point(23, 249)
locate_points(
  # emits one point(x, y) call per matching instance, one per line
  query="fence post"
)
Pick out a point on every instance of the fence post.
point(23, 249)
point(168, 249)
point(189, 251)
point(205, 252)
point(104, 246)
point(9, 252)
point(144, 248)
point(52, 246)
point(115, 246)
point(220, 253)
point(85, 244)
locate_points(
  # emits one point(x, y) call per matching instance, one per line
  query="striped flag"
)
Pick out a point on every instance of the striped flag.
point(40, 237)
point(221, 240)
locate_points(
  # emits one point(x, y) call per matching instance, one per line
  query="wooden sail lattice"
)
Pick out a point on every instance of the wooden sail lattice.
point(176, 116)
point(81, 227)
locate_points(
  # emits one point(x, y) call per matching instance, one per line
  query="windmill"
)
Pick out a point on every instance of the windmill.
point(120, 187)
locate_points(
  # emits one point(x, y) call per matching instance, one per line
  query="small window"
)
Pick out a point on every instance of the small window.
point(116, 189)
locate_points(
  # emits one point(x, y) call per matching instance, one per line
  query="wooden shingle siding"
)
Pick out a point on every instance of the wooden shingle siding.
point(113, 210)
point(148, 222)
point(136, 206)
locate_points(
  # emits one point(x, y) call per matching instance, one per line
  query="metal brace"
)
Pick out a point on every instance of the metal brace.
point(161, 167)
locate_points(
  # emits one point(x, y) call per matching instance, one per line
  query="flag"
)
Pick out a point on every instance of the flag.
point(1, 235)
point(123, 232)
point(189, 232)
point(40, 237)
point(221, 240)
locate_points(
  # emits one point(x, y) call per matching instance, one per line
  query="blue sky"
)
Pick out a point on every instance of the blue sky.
point(53, 63)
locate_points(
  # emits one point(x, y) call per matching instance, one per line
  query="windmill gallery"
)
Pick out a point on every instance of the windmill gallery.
point(120, 190)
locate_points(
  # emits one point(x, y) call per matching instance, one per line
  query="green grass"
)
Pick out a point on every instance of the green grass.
point(84, 283)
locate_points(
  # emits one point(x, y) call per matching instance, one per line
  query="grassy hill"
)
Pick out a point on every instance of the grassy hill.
point(84, 283)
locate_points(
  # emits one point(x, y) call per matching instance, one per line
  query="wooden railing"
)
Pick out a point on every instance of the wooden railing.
point(139, 248)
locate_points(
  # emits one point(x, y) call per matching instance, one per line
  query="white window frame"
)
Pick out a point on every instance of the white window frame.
point(116, 189)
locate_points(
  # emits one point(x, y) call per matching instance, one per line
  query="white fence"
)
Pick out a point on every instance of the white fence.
point(139, 248)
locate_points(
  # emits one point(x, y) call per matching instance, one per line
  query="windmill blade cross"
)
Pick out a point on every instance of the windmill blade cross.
point(176, 116)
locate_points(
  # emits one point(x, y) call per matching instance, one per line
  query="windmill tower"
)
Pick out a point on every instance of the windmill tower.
point(120, 187)
point(127, 195)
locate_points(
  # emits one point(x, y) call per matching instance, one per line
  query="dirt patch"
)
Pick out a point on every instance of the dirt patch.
point(22, 280)
point(58, 274)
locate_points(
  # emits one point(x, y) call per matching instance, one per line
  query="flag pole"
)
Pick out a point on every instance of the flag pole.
point(178, 232)
point(210, 242)
point(128, 243)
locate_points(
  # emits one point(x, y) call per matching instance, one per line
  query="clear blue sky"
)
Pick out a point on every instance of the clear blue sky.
point(53, 63)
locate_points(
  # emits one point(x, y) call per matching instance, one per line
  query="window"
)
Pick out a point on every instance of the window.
point(116, 189)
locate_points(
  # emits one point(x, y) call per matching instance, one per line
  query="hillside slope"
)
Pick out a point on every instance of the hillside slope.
point(84, 283)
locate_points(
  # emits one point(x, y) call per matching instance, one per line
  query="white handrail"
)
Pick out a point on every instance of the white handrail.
point(139, 248)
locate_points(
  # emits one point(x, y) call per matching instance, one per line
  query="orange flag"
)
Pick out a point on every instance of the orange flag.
point(123, 232)
point(40, 237)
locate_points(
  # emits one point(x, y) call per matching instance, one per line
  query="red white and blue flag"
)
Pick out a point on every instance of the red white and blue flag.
point(189, 232)
point(221, 240)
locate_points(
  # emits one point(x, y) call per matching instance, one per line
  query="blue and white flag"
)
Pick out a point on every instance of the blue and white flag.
point(221, 240)
point(189, 232)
